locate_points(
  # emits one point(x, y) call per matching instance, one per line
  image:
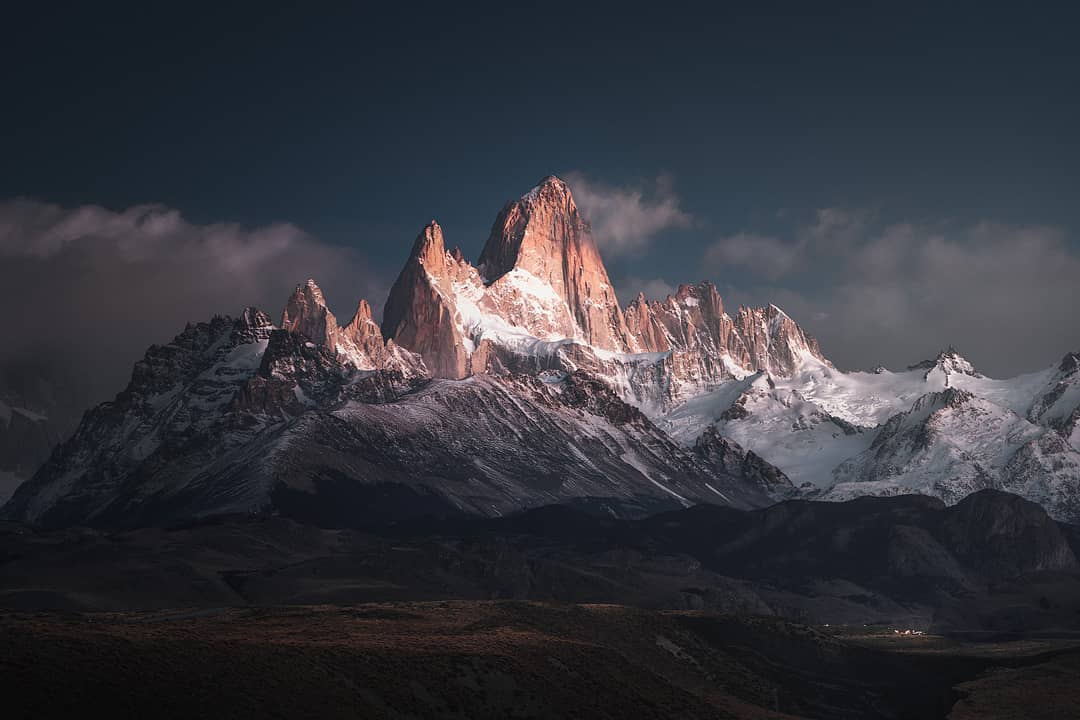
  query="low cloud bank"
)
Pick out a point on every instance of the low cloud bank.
point(1005, 295)
point(88, 289)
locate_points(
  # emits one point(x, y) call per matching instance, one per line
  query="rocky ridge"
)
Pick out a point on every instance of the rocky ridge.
point(540, 299)
point(526, 360)
point(240, 416)
point(940, 428)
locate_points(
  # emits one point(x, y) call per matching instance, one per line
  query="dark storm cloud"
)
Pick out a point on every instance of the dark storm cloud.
point(86, 289)
point(1006, 295)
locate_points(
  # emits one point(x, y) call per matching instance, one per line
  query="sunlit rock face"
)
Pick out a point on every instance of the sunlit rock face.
point(540, 283)
point(540, 299)
point(709, 346)
point(543, 235)
point(520, 381)
point(359, 343)
point(421, 312)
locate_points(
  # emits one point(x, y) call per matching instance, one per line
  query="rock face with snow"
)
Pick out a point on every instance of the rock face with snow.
point(708, 346)
point(520, 381)
point(948, 363)
point(949, 444)
point(360, 342)
point(541, 299)
point(728, 454)
point(421, 312)
point(940, 428)
point(543, 236)
point(241, 416)
point(1057, 405)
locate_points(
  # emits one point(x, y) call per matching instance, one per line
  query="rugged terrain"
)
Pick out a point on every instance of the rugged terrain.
point(237, 416)
point(520, 382)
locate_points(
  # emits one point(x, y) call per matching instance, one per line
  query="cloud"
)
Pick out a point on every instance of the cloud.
point(654, 289)
point(88, 289)
point(625, 219)
point(761, 255)
point(832, 231)
point(893, 294)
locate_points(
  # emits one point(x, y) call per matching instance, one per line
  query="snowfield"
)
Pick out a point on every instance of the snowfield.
point(939, 428)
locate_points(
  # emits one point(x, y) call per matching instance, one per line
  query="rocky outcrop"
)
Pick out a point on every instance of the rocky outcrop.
point(709, 347)
point(541, 285)
point(773, 341)
point(306, 313)
point(948, 363)
point(1057, 404)
point(359, 343)
point(421, 312)
point(733, 459)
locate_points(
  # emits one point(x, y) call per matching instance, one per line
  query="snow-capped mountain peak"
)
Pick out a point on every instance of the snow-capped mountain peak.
point(949, 362)
point(540, 298)
point(544, 235)
point(475, 370)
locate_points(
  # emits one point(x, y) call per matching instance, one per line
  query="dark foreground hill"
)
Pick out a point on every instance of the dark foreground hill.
point(504, 660)
point(560, 612)
point(993, 562)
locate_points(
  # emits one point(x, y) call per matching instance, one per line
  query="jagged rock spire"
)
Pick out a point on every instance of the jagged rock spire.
point(306, 313)
point(543, 234)
point(710, 344)
point(541, 280)
point(359, 343)
point(421, 314)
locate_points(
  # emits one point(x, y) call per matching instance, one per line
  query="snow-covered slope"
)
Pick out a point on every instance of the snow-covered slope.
point(238, 416)
point(777, 423)
point(939, 428)
point(1057, 401)
point(519, 381)
point(949, 444)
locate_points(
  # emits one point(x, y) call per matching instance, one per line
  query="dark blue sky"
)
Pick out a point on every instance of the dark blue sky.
point(360, 124)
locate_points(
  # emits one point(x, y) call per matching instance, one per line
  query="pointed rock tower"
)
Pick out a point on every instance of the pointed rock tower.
point(306, 313)
point(360, 342)
point(543, 234)
point(421, 312)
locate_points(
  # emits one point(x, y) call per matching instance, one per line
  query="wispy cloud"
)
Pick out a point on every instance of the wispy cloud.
point(625, 219)
point(831, 232)
point(761, 255)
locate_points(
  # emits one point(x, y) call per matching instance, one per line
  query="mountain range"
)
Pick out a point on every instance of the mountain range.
point(520, 381)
